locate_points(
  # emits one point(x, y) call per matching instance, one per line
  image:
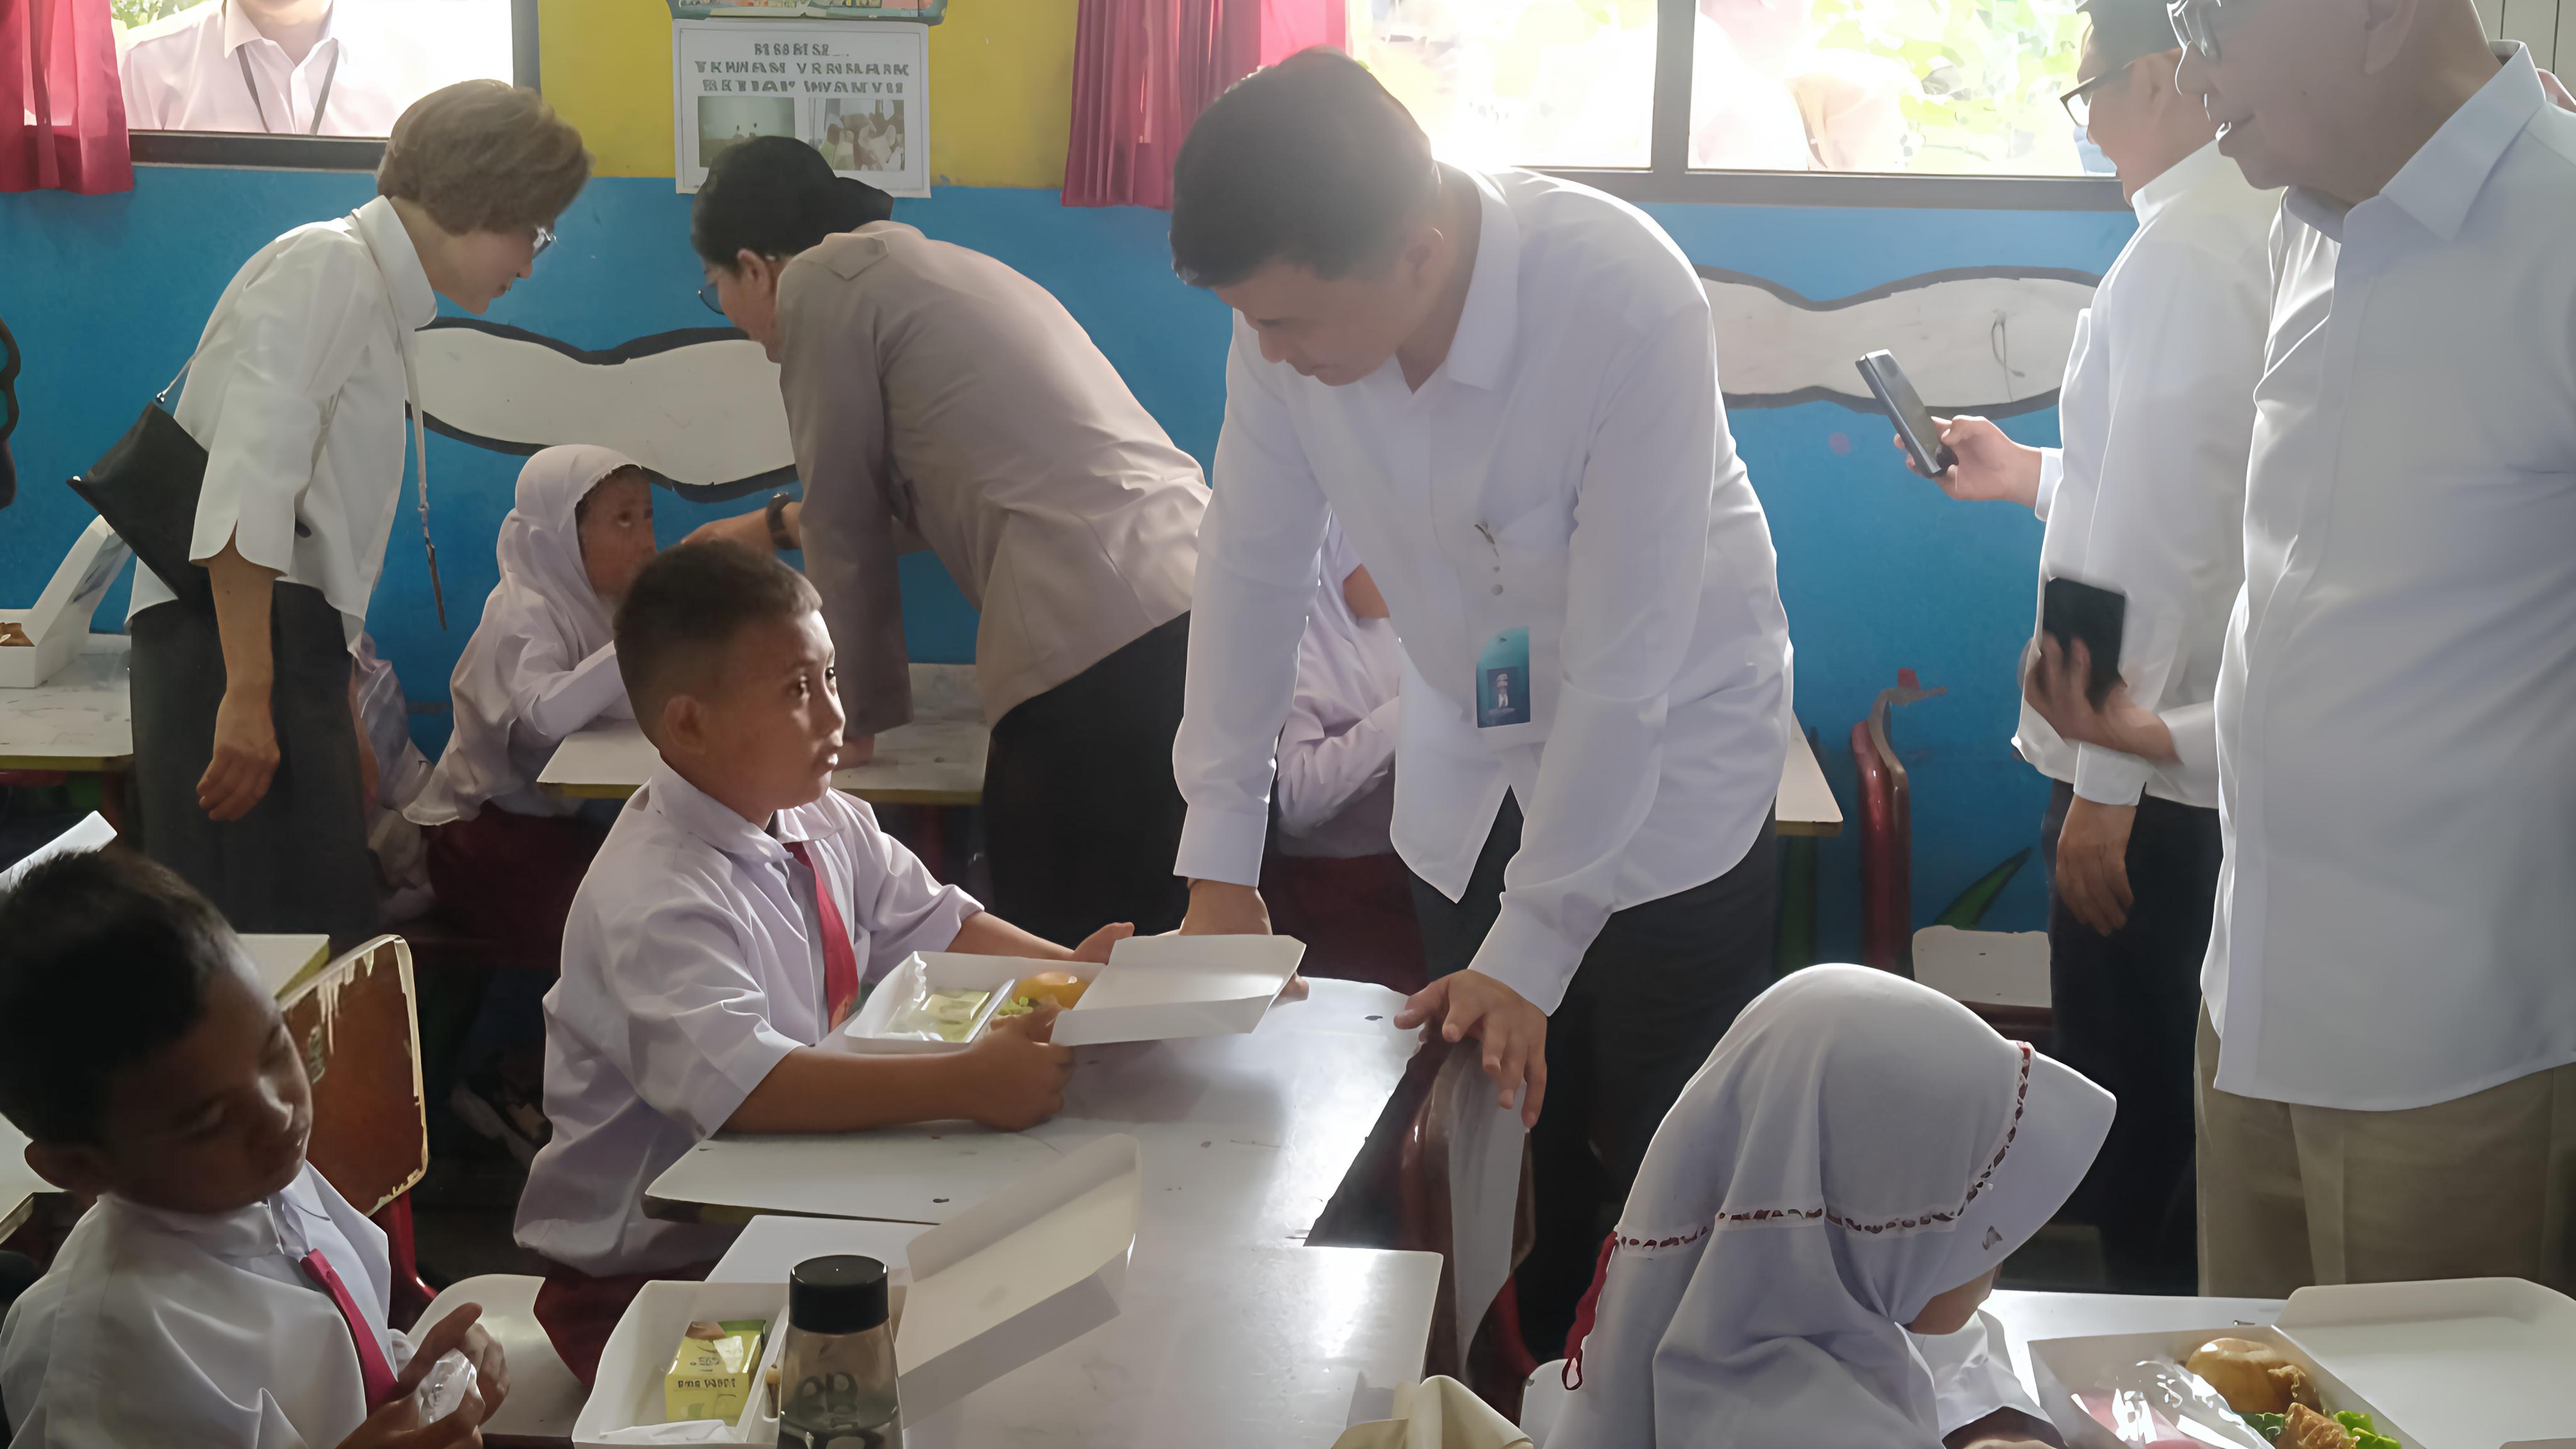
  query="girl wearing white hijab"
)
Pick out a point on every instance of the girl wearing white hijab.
point(1856, 1158)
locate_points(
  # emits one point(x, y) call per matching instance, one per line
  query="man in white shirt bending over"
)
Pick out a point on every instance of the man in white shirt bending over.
point(2386, 1088)
point(2147, 497)
point(281, 67)
point(1505, 388)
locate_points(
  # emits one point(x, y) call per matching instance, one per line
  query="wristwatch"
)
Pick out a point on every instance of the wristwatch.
point(776, 515)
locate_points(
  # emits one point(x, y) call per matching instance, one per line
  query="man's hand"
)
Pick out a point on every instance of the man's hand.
point(1015, 1075)
point(460, 1330)
point(245, 757)
point(1514, 1033)
point(1991, 467)
point(2093, 863)
point(1095, 948)
point(750, 530)
point(2055, 688)
point(1221, 908)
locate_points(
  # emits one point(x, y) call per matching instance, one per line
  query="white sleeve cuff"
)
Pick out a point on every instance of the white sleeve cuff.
point(2108, 777)
point(1528, 958)
point(2194, 728)
point(1221, 845)
point(2052, 471)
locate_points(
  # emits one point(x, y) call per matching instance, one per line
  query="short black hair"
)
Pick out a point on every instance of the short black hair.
point(687, 605)
point(2126, 31)
point(1309, 162)
point(104, 961)
point(774, 196)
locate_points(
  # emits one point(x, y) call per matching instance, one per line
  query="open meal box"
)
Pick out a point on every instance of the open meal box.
point(2473, 1363)
point(1154, 988)
point(1022, 1273)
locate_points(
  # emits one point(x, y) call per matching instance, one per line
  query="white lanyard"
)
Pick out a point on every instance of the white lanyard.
point(252, 85)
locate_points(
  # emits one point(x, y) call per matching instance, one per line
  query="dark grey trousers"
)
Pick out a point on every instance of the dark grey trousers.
point(298, 862)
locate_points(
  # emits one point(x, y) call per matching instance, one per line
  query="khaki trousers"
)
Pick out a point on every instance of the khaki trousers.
point(2480, 1187)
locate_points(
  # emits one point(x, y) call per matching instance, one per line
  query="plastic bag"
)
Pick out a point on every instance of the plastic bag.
point(2162, 1405)
point(442, 1390)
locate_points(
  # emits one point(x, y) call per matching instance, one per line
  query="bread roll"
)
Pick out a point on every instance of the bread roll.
point(2252, 1377)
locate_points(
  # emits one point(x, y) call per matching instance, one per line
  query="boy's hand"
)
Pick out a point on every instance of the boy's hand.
point(459, 1330)
point(397, 1426)
point(1096, 946)
point(1016, 1076)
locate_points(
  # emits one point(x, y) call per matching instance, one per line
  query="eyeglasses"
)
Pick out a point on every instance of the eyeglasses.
point(707, 294)
point(545, 238)
point(2195, 25)
point(2079, 101)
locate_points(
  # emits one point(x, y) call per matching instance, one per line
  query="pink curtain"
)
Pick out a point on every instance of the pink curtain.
point(62, 109)
point(1144, 69)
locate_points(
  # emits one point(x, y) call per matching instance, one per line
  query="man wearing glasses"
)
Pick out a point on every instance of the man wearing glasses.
point(2387, 1060)
point(2147, 497)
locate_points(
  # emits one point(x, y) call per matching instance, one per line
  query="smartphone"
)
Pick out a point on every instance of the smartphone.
point(2071, 609)
point(1904, 406)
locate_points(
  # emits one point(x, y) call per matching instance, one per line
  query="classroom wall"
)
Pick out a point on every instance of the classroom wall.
point(1877, 570)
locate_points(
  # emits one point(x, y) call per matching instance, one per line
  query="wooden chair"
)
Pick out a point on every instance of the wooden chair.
point(1886, 834)
point(355, 1022)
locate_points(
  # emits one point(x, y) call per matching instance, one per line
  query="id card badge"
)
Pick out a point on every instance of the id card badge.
point(1503, 681)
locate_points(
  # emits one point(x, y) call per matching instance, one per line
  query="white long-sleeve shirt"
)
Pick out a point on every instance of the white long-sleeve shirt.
point(1337, 753)
point(2148, 495)
point(157, 1327)
point(297, 397)
point(692, 965)
point(208, 68)
point(2395, 723)
point(1568, 472)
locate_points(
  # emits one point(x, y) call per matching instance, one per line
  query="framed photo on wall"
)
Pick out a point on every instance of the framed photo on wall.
point(857, 91)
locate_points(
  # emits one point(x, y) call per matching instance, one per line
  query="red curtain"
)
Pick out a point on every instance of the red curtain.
point(1144, 69)
point(62, 109)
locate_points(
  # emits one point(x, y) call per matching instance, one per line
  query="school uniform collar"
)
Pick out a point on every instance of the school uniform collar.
point(2441, 181)
point(239, 31)
point(719, 825)
point(1480, 352)
point(2179, 180)
point(272, 1226)
point(415, 304)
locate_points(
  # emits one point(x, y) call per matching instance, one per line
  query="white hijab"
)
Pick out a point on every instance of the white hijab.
point(543, 619)
point(1856, 1145)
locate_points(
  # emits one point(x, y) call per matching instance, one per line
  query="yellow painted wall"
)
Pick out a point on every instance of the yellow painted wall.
point(1001, 86)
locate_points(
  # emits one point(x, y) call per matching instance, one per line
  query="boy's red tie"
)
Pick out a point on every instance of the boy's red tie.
point(373, 1372)
point(840, 961)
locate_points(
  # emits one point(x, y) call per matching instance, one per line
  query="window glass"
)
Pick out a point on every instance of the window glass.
point(1567, 83)
point(300, 67)
point(1940, 86)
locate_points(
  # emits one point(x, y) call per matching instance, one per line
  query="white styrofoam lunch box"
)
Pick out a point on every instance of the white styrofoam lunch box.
point(2472, 1363)
point(1020, 1274)
point(57, 627)
point(1154, 988)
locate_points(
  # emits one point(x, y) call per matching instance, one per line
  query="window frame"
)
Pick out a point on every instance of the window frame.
point(1668, 176)
point(256, 151)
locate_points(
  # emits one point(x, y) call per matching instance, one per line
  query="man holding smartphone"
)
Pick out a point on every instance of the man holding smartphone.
point(1505, 387)
point(2147, 497)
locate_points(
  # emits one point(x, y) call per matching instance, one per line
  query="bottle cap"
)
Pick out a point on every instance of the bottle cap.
point(845, 1293)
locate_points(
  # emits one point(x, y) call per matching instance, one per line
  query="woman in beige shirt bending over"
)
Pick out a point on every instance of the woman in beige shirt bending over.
point(936, 396)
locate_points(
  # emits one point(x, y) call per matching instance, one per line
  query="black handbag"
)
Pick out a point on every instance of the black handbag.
point(146, 488)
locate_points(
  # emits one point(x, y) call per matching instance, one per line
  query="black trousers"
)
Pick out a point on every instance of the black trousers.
point(1081, 819)
point(298, 862)
point(2126, 1008)
point(1656, 989)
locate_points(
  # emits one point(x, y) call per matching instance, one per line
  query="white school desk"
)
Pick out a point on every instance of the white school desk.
point(282, 961)
point(78, 720)
point(1245, 1137)
point(938, 759)
point(1252, 1348)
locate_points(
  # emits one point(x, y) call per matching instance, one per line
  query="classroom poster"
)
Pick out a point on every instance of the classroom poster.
point(858, 91)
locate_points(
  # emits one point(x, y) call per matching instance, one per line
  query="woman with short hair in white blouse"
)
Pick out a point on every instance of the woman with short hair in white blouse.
point(248, 774)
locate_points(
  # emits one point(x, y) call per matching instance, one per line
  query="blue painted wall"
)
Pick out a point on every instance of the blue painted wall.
point(106, 295)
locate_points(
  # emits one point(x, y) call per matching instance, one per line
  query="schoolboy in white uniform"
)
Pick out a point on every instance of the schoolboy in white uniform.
point(702, 966)
point(220, 1293)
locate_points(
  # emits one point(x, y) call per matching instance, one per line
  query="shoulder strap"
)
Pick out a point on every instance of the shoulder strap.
point(419, 419)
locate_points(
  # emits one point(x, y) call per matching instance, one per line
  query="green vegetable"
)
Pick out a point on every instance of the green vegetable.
point(2365, 1434)
point(2269, 1425)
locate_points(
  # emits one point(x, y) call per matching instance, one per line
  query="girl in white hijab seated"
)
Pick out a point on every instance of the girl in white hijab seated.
point(504, 857)
point(1856, 1158)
